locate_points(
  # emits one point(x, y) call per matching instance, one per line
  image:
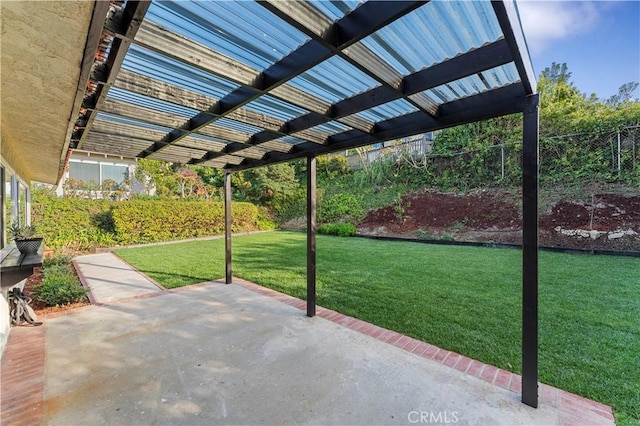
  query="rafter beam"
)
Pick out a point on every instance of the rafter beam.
point(474, 108)
point(129, 22)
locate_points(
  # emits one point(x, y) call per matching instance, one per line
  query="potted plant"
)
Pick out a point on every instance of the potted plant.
point(24, 236)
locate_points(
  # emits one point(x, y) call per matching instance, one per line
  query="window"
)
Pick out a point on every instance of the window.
point(98, 173)
point(114, 172)
point(85, 172)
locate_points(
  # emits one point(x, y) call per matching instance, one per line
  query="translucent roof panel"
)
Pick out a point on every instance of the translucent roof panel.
point(263, 40)
point(238, 126)
point(387, 111)
point(151, 103)
point(439, 30)
point(335, 9)
point(331, 128)
point(477, 83)
point(131, 122)
point(145, 62)
point(291, 140)
point(276, 108)
point(333, 80)
point(299, 77)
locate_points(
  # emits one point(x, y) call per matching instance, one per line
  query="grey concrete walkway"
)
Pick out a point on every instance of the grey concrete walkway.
point(228, 354)
point(111, 279)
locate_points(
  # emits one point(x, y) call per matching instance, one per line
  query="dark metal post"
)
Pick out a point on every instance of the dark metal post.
point(227, 227)
point(311, 236)
point(530, 172)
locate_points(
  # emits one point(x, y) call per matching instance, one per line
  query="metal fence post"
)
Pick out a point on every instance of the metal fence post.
point(619, 156)
point(502, 159)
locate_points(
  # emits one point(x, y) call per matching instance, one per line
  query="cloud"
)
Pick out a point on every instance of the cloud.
point(544, 22)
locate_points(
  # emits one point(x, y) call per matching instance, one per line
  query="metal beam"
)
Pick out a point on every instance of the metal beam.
point(94, 35)
point(311, 236)
point(352, 28)
point(530, 172)
point(478, 107)
point(228, 276)
point(507, 14)
point(129, 22)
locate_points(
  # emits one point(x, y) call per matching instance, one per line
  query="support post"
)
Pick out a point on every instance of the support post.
point(530, 172)
point(227, 227)
point(311, 236)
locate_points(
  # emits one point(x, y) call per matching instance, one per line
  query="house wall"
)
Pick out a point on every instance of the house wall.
point(104, 166)
point(15, 197)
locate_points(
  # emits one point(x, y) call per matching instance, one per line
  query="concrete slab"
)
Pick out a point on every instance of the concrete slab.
point(111, 279)
point(216, 354)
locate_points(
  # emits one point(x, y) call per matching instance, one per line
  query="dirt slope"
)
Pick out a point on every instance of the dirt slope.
point(606, 222)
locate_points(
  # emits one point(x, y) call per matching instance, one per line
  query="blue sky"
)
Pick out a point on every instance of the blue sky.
point(599, 41)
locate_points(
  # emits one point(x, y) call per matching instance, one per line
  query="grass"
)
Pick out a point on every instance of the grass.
point(464, 299)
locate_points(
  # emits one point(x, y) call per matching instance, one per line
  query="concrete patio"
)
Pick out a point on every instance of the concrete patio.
point(241, 354)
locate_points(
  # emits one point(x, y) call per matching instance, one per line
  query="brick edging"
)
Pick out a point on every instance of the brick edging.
point(22, 384)
point(571, 406)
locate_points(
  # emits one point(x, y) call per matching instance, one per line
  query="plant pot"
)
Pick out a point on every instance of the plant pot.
point(29, 246)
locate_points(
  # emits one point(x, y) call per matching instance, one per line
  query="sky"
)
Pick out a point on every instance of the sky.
point(599, 41)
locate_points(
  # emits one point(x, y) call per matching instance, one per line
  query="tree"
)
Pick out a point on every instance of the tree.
point(625, 94)
point(158, 175)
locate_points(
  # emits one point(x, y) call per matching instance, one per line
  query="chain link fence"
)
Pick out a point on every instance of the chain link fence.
point(574, 162)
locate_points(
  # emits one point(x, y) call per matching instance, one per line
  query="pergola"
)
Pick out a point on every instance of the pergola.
point(243, 84)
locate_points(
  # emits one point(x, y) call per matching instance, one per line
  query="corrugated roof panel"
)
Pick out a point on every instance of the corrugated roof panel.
point(276, 108)
point(333, 80)
point(195, 140)
point(386, 111)
point(152, 103)
point(335, 9)
point(501, 76)
point(132, 122)
point(264, 39)
point(491, 79)
point(433, 33)
point(331, 128)
point(230, 159)
point(160, 67)
point(291, 140)
point(254, 153)
point(275, 145)
point(238, 126)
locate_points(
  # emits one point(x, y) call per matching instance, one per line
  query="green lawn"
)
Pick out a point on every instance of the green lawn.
point(465, 299)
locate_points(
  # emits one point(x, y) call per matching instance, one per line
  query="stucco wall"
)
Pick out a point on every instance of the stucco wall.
point(42, 47)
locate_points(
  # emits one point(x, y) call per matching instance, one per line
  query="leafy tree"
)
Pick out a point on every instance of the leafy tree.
point(156, 174)
point(625, 94)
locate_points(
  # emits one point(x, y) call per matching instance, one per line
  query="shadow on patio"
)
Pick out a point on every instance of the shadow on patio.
point(243, 354)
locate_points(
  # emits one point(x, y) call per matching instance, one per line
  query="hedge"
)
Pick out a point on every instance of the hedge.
point(76, 223)
point(82, 224)
point(146, 221)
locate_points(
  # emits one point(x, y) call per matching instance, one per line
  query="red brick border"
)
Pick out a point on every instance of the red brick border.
point(22, 377)
point(22, 374)
point(574, 409)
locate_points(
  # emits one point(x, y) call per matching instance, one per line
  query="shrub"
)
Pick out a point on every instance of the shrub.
point(58, 259)
point(73, 222)
point(146, 221)
point(341, 206)
point(60, 286)
point(339, 229)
